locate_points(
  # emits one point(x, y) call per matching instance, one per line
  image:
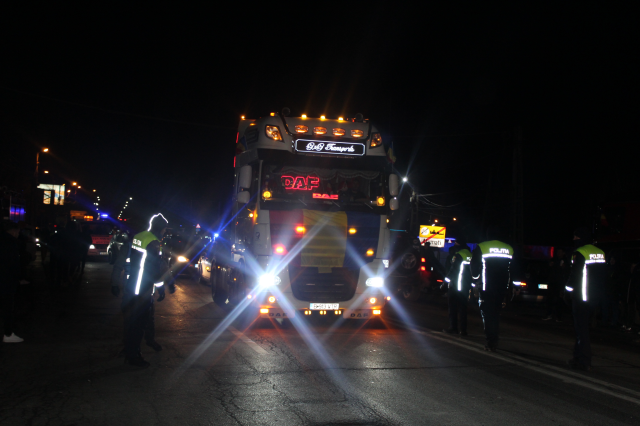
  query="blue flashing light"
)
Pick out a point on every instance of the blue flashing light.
point(104, 215)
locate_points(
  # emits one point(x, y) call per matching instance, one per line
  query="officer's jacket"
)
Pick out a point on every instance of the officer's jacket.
point(459, 275)
point(588, 273)
point(491, 264)
point(146, 267)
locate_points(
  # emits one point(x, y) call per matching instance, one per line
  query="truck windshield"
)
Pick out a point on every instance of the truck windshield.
point(294, 187)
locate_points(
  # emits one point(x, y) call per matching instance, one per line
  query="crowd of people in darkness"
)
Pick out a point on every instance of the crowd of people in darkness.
point(594, 285)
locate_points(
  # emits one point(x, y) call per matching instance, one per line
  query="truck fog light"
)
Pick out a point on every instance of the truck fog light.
point(375, 282)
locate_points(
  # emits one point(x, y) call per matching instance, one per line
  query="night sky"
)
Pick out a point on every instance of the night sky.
point(144, 102)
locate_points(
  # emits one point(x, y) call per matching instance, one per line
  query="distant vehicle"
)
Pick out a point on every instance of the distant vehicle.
point(100, 238)
point(535, 281)
point(182, 252)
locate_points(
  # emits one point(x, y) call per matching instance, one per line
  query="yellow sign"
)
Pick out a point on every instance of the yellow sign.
point(433, 234)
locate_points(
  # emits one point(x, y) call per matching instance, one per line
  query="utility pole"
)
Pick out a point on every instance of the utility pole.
point(518, 206)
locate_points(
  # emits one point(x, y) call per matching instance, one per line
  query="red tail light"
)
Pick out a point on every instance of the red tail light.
point(279, 249)
point(423, 260)
point(439, 281)
point(423, 268)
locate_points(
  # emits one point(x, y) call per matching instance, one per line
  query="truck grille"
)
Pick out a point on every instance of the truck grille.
point(310, 286)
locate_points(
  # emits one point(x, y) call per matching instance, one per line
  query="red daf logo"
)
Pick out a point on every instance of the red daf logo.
point(304, 183)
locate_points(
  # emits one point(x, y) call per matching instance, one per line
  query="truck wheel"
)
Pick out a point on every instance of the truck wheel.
point(409, 262)
point(219, 288)
point(238, 286)
point(411, 293)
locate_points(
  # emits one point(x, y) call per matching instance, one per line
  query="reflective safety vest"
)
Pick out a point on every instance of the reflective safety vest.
point(466, 261)
point(138, 260)
point(497, 255)
point(593, 258)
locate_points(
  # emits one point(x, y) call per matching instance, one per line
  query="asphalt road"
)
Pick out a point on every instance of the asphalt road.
point(214, 371)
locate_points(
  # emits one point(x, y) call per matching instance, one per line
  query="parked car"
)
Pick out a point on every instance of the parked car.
point(182, 252)
point(534, 283)
point(413, 272)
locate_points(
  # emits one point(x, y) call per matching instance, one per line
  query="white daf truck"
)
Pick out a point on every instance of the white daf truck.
point(310, 234)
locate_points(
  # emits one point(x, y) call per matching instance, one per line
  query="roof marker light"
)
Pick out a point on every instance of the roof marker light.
point(322, 117)
point(304, 115)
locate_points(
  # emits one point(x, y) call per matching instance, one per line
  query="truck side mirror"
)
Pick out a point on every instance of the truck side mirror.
point(244, 180)
point(394, 203)
point(244, 197)
point(393, 185)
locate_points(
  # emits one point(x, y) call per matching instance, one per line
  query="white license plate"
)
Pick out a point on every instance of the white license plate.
point(543, 286)
point(324, 306)
point(103, 252)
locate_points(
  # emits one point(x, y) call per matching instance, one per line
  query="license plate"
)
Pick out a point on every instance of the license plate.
point(324, 306)
point(543, 286)
point(103, 252)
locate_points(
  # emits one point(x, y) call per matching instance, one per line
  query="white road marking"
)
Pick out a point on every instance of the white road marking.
point(558, 373)
point(253, 345)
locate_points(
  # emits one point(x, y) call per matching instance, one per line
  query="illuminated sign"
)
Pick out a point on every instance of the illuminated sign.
point(325, 196)
point(303, 183)
point(327, 147)
point(433, 234)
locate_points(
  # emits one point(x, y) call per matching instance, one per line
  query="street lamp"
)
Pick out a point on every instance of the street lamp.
point(33, 192)
point(74, 183)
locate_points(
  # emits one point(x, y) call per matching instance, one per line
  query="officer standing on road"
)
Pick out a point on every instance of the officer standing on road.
point(458, 280)
point(147, 272)
point(586, 280)
point(490, 265)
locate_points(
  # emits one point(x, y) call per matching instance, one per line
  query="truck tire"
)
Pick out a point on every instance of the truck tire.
point(219, 288)
point(408, 262)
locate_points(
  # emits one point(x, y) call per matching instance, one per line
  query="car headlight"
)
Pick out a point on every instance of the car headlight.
point(268, 280)
point(182, 259)
point(92, 247)
point(375, 282)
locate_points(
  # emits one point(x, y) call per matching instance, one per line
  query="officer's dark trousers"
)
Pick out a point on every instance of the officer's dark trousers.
point(490, 304)
point(136, 320)
point(582, 348)
point(458, 306)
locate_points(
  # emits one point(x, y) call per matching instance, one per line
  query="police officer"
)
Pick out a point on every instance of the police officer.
point(490, 266)
point(458, 280)
point(147, 272)
point(587, 278)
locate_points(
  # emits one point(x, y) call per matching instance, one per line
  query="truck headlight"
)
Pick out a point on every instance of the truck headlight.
point(375, 282)
point(268, 280)
point(273, 132)
point(182, 259)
